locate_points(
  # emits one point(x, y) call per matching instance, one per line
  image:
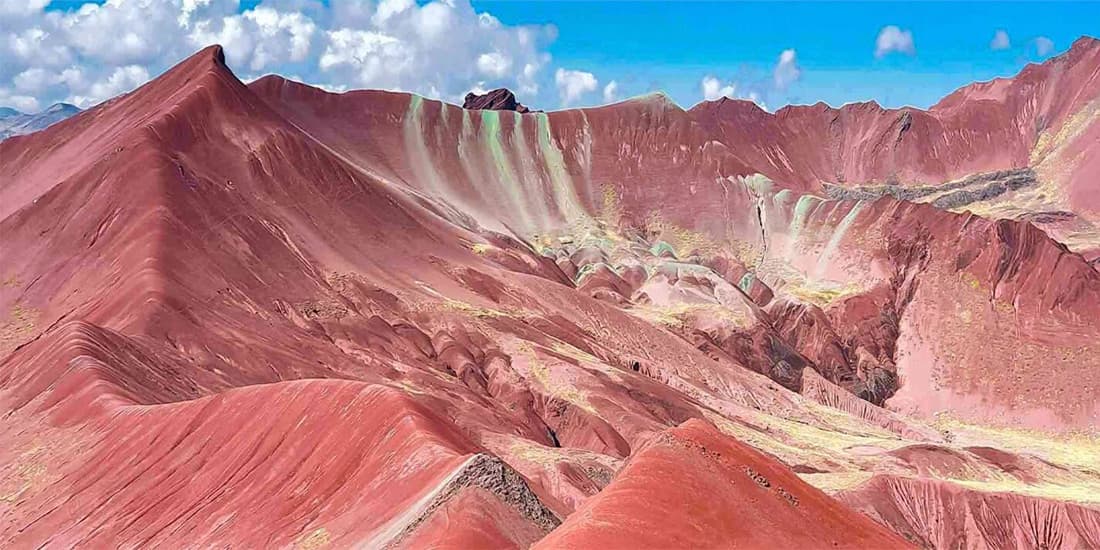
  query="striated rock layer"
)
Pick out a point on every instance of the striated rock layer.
point(937, 515)
point(266, 315)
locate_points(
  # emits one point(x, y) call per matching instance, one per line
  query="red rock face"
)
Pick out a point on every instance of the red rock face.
point(982, 127)
point(267, 315)
point(951, 517)
point(708, 491)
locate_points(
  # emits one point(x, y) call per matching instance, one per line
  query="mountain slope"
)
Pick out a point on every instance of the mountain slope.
point(1001, 124)
point(707, 491)
point(403, 323)
point(648, 149)
point(645, 167)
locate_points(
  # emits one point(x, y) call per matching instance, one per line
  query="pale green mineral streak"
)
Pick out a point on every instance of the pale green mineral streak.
point(464, 139)
point(468, 157)
point(759, 187)
point(802, 210)
point(780, 199)
point(565, 194)
point(758, 184)
point(778, 205)
point(530, 176)
point(746, 281)
point(442, 127)
point(660, 247)
point(421, 160)
point(838, 235)
point(491, 133)
point(586, 151)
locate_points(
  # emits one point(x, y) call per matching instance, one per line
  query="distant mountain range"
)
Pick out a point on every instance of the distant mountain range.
point(17, 123)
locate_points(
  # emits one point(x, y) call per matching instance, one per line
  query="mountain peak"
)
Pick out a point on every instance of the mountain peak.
point(658, 99)
point(216, 52)
point(211, 57)
point(205, 71)
point(1084, 43)
point(500, 99)
point(62, 108)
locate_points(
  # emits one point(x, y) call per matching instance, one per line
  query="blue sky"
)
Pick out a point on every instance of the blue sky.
point(553, 54)
point(646, 46)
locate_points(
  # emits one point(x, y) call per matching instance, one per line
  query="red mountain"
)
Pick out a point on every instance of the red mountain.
point(268, 315)
point(982, 127)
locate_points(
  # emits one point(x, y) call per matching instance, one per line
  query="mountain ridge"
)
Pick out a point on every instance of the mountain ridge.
point(16, 123)
point(403, 322)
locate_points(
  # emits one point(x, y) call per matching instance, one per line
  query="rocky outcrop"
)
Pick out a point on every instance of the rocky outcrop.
point(501, 99)
point(949, 195)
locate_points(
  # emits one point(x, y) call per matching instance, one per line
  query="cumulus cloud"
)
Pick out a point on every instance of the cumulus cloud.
point(19, 102)
point(611, 92)
point(755, 98)
point(787, 70)
point(713, 88)
point(893, 39)
point(92, 52)
point(121, 80)
point(494, 64)
point(1043, 45)
point(574, 84)
point(1000, 41)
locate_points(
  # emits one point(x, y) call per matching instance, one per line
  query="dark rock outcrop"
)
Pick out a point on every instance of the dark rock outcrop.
point(501, 99)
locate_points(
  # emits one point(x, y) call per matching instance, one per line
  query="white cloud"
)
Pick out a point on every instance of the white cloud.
point(283, 37)
point(1000, 40)
point(121, 80)
point(439, 48)
point(893, 39)
point(33, 80)
point(527, 79)
point(478, 89)
point(574, 84)
point(611, 92)
point(1043, 45)
point(24, 103)
point(494, 64)
point(755, 98)
point(390, 8)
point(433, 20)
point(22, 8)
point(787, 70)
point(713, 88)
